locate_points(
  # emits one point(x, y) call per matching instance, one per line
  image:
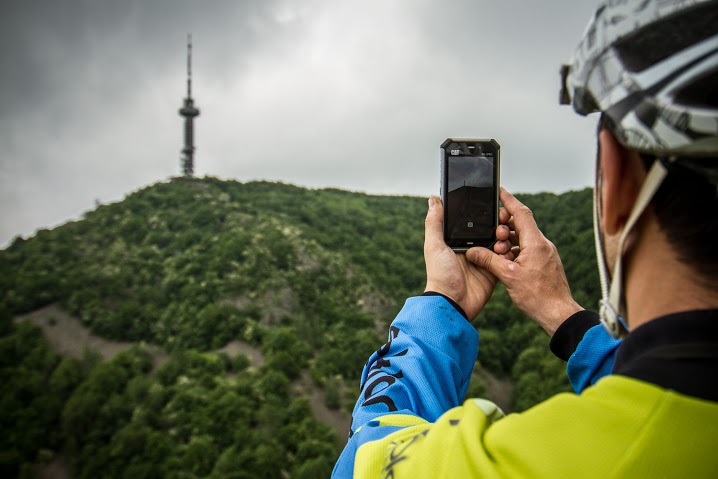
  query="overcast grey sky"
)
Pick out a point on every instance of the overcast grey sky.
point(349, 94)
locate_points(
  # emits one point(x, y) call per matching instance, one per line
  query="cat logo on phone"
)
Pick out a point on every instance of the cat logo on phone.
point(455, 152)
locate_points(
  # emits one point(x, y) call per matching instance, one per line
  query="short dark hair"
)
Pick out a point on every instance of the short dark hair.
point(686, 207)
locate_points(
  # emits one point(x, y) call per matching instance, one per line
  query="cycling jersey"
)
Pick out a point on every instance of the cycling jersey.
point(655, 416)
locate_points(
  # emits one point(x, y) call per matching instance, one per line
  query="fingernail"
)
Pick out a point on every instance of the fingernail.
point(432, 202)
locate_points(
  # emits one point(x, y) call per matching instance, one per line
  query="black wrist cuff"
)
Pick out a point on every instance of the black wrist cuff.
point(566, 338)
point(451, 301)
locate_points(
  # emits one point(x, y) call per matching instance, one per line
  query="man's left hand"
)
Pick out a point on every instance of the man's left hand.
point(449, 273)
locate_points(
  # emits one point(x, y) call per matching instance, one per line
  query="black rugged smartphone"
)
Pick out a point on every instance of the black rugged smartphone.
point(470, 192)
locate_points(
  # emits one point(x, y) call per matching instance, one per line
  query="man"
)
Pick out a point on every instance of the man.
point(648, 384)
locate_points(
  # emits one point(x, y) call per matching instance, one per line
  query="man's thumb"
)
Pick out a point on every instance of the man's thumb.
point(434, 225)
point(493, 263)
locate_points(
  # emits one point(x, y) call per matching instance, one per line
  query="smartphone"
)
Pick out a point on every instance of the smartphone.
point(470, 192)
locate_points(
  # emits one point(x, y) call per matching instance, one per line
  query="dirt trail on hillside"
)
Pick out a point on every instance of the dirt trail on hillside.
point(338, 419)
point(68, 337)
point(57, 468)
point(499, 391)
point(233, 348)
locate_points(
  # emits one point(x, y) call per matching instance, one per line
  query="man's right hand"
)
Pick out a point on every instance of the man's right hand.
point(535, 280)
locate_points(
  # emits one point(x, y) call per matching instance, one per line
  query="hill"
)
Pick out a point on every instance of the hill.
point(309, 279)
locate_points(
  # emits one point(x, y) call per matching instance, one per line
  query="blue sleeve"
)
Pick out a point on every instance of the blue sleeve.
point(586, 345)
point(422, 371)
point(593, 358)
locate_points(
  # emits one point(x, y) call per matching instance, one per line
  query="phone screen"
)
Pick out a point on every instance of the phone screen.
point(471, 196)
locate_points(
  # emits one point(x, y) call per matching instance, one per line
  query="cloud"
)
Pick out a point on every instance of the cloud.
point(355, 95)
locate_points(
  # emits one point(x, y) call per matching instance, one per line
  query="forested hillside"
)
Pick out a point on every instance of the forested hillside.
point(309, 277)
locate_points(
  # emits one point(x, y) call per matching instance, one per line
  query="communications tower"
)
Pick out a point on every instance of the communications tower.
point(188, 112)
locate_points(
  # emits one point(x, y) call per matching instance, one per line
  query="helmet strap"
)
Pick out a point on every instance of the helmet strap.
point(612, 303)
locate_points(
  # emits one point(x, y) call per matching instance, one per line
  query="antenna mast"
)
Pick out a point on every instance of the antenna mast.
point(189, 66)
point(188, 112)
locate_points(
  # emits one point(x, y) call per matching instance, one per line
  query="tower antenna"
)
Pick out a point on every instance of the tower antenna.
point(188, 112)
point(189, 65)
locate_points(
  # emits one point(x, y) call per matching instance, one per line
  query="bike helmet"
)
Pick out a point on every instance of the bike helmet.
point(651, 68)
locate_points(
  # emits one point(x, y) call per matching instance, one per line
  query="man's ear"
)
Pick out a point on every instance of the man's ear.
point(623, 174)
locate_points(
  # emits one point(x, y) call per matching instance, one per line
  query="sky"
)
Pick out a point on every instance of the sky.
point(477, 172)
point(356, 95)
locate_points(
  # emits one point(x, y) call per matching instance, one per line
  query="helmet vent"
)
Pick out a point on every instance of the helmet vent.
point(700, 93)
point(658, 41)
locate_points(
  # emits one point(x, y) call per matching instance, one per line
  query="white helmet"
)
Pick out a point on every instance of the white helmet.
point(651, 68)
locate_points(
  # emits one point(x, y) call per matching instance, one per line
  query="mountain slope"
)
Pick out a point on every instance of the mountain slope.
point(312, 277)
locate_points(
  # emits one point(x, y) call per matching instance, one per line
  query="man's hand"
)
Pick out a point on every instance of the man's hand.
point(449, 273)
point(535, 279)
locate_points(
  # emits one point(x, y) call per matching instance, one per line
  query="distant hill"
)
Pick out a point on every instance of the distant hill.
point(310, 278)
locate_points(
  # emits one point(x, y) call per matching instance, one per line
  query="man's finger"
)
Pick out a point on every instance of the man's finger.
point(523, 219)
point(502, 232)
point(504, 216)
point(502, 247)
point(495, 264)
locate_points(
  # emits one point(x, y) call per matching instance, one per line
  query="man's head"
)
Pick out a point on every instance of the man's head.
point(685, 206)
point(651, 68)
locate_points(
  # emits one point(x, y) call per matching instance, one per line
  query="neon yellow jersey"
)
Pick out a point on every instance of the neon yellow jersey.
point(408, 421)
point(621, 427)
